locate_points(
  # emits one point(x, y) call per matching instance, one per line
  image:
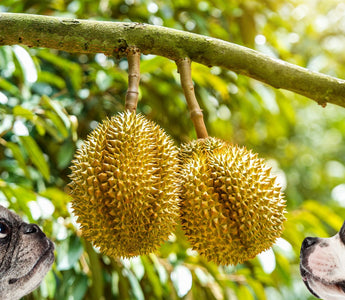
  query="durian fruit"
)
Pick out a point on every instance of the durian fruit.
point(124, 186)
point(231, 206)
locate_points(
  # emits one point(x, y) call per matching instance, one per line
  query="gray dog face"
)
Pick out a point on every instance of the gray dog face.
point(322, 266)
point(26, 255)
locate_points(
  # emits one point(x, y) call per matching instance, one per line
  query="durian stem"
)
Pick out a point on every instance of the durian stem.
point(184, 68)
point(132, 94)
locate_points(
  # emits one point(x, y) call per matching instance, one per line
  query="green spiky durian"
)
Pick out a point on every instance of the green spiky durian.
point(231, 207)
point(124, 186)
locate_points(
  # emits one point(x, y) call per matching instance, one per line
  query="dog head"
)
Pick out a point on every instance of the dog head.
point(26, 255)
point(322, 265)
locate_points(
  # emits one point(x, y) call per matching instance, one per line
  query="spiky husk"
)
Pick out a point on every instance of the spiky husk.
point(231, 208)
point(124, 186)
point(202, 146)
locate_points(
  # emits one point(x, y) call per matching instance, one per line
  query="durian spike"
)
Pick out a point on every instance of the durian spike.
point(132, 94)
point(184, 68)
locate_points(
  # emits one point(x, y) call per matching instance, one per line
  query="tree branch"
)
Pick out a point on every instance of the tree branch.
point(114, 38)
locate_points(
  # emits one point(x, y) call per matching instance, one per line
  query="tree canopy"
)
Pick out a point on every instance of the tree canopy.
point(50, 100)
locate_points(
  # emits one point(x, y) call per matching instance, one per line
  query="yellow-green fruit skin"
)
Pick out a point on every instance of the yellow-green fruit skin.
point(231, 207)
point(124, 186)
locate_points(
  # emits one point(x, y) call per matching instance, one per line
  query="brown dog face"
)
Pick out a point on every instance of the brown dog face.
point(26, 255)
point(322, 266)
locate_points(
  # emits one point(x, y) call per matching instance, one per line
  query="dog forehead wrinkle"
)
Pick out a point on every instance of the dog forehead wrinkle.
point(7, 249)
point(11, 218)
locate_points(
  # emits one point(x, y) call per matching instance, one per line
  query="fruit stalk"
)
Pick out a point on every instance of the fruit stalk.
point(132, 94)
point(184, 68)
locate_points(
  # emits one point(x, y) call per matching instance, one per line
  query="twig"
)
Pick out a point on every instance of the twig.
point(184, 68)
point(132, 94)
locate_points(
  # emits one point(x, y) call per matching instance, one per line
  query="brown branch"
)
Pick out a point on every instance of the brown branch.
point(184, 68)
point(114, 38)
point(132, 94)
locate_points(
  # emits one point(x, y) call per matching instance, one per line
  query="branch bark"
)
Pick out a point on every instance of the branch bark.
point(184, 68)
point(114, 38)
point(131, 101)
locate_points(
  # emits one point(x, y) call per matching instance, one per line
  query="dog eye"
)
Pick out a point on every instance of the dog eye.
point(4, 230)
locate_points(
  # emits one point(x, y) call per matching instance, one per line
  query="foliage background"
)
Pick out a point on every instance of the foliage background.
point(50, 101)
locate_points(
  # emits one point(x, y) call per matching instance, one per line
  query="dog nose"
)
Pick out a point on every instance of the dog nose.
point(308, 242)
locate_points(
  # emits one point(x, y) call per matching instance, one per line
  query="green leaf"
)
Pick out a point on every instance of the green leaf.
point(202, 76)
point(52, 79)
point(40, 125)
point(56, 195)
point(59, 198)
point(60, 126)
point(48, 286)
point(258, 289)
point(152, 277)
point(18, 156)
point(283, 269)
point(324, 213)
point(79, 287)
point(244, 293)
point(22, 197)
point(161, 271)
point(47, 126)
point(69, 251)
point(26, 64)
point(72, 70)
point(96, 289)
point(65, 154)
point(9, 87)
point(6, 123)
point(6, 60)
point(36, 156)
point(20, 111)
point(156, 64)
point(56, 107)
point(103, 80)
point(136, 288)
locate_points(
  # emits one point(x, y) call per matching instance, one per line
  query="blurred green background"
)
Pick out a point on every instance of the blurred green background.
point(50, 101)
